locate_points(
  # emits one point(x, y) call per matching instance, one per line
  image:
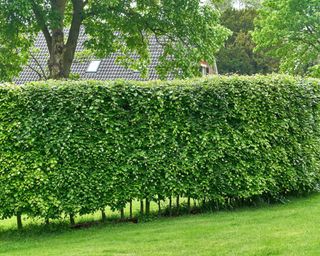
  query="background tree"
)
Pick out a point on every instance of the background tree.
point(188, 30)
point(290, 30)
point(237, 56)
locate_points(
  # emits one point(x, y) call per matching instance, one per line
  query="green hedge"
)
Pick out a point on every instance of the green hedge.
point(77, 147)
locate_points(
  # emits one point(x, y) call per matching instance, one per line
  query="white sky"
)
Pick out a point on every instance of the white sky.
point(238, 5)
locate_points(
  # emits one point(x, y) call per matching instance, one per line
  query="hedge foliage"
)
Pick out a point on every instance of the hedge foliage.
point(77, 147)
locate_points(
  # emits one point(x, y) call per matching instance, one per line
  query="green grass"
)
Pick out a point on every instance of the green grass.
point(290, 229)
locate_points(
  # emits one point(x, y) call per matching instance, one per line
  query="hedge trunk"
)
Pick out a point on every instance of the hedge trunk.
point(19, 221)
point(130, 210)
point(72, 221)
point(122, 213)
point(147, 207)
point(103, 216)
point(141, 207)
point(159, 208)
point(178, 204)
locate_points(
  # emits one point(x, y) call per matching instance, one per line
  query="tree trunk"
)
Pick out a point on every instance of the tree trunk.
point(215, 67)
point(178, 204)
point(103, 216)
point(73, 36)
point(47, 221)
point(55, 63)
point(147, 207)
point(170, 206)
point(159, 208)
point(61, 53)
point(130, 209)
point(189, 204)
point(19, 221)
point(122, 213)
point(141, 207)
point(204, 202)
point(72, 221)
point(56, 56)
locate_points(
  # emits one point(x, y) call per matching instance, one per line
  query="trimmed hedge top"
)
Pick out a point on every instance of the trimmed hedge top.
point(77, 147)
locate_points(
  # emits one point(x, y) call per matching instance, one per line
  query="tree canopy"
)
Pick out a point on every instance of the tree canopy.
point(290, 30)
point(188, 30)
point(238, 56)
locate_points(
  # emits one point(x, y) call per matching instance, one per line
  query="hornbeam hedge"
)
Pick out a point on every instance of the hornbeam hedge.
point(78, 147)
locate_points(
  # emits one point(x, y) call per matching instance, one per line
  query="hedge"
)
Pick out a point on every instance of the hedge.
point(71, 147)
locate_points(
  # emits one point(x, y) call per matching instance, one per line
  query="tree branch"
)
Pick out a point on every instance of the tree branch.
point(76, 22)
point(35, 70)
point(307, 42)
point(74, 32)
point(311, 31)
point(42, 24)
point(39, 65)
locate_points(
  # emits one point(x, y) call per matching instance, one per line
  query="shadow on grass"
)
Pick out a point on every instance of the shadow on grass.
point(62, 226)
point(59, 227)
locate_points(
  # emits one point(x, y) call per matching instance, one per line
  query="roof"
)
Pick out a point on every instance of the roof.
point(107, 70)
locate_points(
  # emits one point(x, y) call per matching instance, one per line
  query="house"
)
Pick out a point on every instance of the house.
point(91, 68)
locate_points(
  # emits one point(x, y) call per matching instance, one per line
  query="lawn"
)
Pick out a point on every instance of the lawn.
point(287, 229)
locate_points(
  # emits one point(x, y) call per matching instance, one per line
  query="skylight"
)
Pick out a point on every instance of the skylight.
point(93, 66)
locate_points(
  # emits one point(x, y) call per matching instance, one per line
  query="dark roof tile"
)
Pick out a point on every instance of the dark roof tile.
point(108, 69)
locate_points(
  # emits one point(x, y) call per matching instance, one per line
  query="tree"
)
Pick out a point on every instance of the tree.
point(188, 31)
point(290, 30)
point(237, 56)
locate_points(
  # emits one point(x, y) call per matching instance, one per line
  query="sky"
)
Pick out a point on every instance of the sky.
point(238, 5)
